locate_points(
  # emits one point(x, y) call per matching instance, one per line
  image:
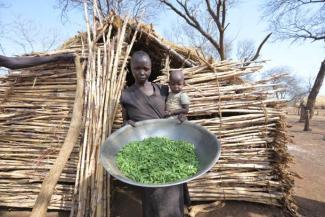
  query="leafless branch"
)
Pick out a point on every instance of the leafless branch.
point(217, 13)
point(296, 19)
point(132, 8)
point(257, 54)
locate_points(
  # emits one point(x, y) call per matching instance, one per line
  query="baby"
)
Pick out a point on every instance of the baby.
point(178, 102)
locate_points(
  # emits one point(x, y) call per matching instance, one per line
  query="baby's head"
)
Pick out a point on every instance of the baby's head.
point(176, 81)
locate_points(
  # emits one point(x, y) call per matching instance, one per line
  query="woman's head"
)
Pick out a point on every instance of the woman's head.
point(140, 66)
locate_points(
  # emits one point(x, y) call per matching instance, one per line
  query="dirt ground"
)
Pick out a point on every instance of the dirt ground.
point(308, 150)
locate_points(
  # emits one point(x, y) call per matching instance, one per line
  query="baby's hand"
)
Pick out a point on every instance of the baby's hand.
point(167, 114)
point(181, 118)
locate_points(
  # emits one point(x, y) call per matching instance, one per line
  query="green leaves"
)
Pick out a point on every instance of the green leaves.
point(157, 160)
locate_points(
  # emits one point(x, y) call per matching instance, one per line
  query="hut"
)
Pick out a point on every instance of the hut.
point(36, 111)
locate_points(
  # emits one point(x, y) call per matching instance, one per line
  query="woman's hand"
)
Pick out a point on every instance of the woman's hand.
point(132, 123)
point(129, 122)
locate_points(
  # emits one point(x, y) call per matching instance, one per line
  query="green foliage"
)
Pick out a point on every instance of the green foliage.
point(157, 160)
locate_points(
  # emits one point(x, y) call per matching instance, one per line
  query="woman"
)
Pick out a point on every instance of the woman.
point(143, 101)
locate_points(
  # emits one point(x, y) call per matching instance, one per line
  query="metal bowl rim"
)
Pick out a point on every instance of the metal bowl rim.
point(140, 123)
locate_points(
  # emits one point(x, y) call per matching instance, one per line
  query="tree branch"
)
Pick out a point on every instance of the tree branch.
point(25, 62)
point(192, 21)
point(257, 54)
point(294, 19)
point(212, 14)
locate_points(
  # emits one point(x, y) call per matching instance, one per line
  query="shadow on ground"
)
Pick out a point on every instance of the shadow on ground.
point(310, 208)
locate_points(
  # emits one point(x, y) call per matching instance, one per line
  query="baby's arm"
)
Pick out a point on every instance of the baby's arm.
point(183, 110)
point(185, 103)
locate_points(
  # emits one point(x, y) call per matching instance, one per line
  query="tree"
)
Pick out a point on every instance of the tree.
point(139, 9)
point(2, 28)
point(30, 36)
point(258, 50)
point(198, 14)
point(245, 50)
point(292, 88)
point(296, 19)
point(299, 20)
point(191, 13)
point(181, 33)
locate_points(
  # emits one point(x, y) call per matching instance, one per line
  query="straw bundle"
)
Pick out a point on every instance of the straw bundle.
point(105, 78)
point(250, 124)
point(35, 114)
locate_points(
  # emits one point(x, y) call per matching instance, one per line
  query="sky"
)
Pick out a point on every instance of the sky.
point(303, 58)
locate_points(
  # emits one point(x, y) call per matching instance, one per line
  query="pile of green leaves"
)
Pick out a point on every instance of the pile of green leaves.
point(157, 160)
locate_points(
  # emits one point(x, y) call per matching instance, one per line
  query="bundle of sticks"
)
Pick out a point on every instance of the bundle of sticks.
point(250, 124)
point(35, 113)
point(105, 78)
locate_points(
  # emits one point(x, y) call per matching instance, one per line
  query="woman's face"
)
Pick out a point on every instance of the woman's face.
point(141, 69)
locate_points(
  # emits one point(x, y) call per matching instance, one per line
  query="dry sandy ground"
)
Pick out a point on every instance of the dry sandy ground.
point(308, 150)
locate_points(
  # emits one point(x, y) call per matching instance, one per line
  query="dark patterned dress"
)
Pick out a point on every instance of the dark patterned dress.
point(156, 202)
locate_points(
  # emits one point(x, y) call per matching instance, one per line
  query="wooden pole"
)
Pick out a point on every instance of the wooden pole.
point(49, 183)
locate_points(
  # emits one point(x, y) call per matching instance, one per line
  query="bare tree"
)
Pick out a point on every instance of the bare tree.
point(2, 26)
point(140, 9)
point(191, 11)
point(296, 19)
point(315, 89)
point(30, 36)
point(181, 33)
point(299, 20)
point(245, 50)
point(198, 13)
point(293, 90)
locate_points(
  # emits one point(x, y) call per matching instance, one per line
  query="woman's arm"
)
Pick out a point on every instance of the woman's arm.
point(125, 118)
point(24, 62)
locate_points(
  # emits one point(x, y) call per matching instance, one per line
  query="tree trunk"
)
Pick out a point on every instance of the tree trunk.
point(302, 113)
point(306, 128)
point(314, 91)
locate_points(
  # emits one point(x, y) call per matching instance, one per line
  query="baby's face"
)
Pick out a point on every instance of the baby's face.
point(176, 84)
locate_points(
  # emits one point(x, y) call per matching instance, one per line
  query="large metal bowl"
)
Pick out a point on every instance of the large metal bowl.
point(206, 144)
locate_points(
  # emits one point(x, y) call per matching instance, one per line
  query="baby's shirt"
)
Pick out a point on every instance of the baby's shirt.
point(176, 100)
